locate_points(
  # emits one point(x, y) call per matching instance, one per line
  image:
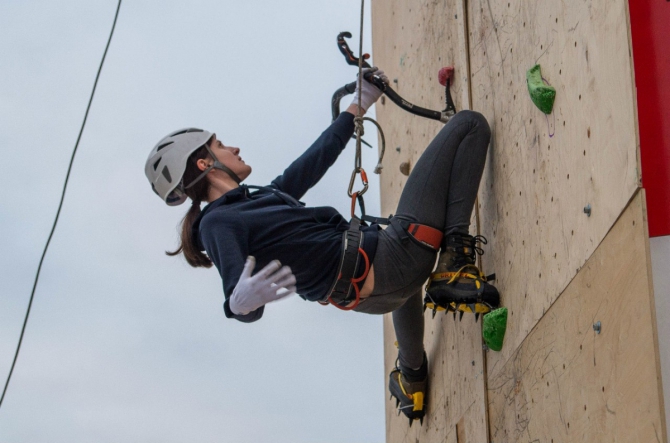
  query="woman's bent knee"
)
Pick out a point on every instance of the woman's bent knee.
point(477, 121)
point(474, 116)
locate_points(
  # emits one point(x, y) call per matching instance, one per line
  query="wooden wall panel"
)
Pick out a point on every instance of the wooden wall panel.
point(456, 402)
point(412, 40)
point(541, 173)
point(536, 185)
point(567, 383)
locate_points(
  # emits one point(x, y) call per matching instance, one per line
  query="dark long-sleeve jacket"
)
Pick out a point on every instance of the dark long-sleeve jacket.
point(271, 224)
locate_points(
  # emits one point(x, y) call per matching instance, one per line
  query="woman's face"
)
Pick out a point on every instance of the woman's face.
point(230, 157)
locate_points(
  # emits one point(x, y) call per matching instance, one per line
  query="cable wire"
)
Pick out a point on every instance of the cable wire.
point(60, 205)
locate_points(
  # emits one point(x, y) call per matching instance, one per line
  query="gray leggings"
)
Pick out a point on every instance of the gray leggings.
point(440, 192)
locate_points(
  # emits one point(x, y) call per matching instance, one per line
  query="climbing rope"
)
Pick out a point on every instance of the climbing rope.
point(360, 131)
point(358, 122)
point(60, 205)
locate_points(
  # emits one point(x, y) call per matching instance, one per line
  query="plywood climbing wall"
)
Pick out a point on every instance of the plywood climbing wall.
point(588, 371)
point(536, 185)
point(412, 40)
point(553, 188)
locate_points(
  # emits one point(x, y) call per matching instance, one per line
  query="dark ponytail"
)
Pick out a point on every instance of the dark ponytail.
point(197, 193)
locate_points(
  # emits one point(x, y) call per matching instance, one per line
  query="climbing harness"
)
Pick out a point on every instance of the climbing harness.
point(352, 251)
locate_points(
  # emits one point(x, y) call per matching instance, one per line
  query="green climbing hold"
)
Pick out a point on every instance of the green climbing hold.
point(495, 325)
point(543, 95)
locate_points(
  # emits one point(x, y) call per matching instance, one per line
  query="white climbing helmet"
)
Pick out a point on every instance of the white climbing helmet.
point(167, 162)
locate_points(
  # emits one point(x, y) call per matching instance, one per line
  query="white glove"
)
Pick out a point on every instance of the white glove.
point(368, 92)
point(270, 283)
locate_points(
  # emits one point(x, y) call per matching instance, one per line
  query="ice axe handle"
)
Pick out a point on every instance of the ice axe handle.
point(404, 104)
point(345, 90)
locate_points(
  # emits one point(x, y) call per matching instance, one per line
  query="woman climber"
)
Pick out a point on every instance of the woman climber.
point(266, 244)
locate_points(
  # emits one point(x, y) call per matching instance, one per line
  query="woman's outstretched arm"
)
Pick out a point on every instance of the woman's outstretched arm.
point(310, 167)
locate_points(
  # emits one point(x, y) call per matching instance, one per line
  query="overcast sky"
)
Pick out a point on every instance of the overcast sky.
point(125, 344)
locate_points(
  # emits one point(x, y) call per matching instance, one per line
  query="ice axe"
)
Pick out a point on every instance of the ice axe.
point(445, 77)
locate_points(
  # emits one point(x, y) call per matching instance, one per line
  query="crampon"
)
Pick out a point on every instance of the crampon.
point(409, 395)
point(458, 285)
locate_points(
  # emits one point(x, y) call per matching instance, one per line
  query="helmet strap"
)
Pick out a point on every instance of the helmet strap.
point(216, 165)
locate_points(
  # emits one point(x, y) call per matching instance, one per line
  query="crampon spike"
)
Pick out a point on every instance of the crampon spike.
point(454, 315)
point(472, 307)
point(434, 312)
point(476, 316)
point(461, 316)
point(421, 421)
point(410, 422)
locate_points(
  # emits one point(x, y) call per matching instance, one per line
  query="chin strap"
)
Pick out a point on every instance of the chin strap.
point(216, 165)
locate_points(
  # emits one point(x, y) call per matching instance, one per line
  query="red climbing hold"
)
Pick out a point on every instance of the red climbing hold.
point(444, 74)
